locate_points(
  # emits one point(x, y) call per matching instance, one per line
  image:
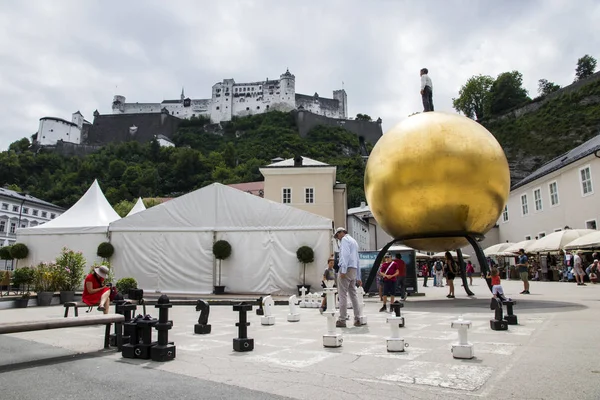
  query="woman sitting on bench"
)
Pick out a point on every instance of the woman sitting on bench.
point(94, 291)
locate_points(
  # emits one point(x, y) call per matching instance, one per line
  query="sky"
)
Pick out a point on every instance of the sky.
point(60, 56)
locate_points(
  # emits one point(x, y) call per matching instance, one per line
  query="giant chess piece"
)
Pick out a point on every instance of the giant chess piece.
point(361, 305)
point(396, 307)
point(510, 318)
point(163, 350)
point(202, 327)
point(462, 349)
point(331, 338)
point(360, 293)
point(498, 323)
point(303, 297)
point(294, 315)
point(242, 342)
point(140, 340)
point(259, 310)
point(126, 309)
point(395, 343)
point(268, 318)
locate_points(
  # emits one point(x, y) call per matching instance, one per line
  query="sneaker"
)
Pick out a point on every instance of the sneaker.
point(383, 309)
point(583, 284)
point(357, 322)
point(340, 324)
point(523, 292)
point(450, 296)
point(404, 297)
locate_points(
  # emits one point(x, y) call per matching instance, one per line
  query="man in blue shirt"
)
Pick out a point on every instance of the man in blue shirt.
point(347, 277)
point(523, 266)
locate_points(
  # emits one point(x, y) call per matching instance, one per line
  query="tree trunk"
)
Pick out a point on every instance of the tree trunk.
point(304, 276)
point(220, 272)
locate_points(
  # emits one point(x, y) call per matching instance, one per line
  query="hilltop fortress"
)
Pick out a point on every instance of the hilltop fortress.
point(230, 99)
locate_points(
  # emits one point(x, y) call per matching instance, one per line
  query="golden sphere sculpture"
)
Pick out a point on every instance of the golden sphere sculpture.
point(437, 174)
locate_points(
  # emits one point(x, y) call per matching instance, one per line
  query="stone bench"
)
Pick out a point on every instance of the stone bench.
point(88, 320)
point(79, 304)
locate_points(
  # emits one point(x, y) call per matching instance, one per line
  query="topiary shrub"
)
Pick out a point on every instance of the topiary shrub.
point(19, 251)
point(221, 251)
point(23, 278)
point(305, 255)
point(105, 250)
point(124, 284)
point(5, 253)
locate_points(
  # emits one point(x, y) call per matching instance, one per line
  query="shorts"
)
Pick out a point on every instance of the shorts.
point(578, 271)
point(389, 288)
point(379, 281)
point(469, 274)
point(497, 289)
point(450, 276)
point(524, 276)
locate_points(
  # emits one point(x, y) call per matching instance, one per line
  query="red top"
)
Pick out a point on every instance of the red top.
point(425, 270)
point(495, 280)
point(470, 268)
point(389, 269)
point(92, 299)
point(401, 265)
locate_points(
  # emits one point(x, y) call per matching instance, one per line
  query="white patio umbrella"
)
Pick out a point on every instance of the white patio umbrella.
point(514, 248)
point(498, 250)
point(557, 240)
point(423, 256)
point(589, 241)
point(442, 254)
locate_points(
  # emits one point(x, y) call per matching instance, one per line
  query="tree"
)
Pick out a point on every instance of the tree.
point(507, 91)
point(20, 145)
point(586, 66)
point(545, 87)
point(123, 207)
point(363, 117)
point(473, 97)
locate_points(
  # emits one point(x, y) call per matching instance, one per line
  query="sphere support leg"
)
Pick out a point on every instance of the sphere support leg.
point(463, 272)
point(480, 258)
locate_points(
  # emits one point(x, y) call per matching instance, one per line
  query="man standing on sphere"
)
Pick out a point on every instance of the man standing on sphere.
point(347, 277)
point(426, 90)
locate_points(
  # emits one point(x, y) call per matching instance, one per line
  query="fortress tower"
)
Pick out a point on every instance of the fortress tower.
point(288, 88)
point(342, 97)
point(118, 105)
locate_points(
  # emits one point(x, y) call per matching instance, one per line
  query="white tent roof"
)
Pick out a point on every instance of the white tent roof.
point(92, 212)
point(220, 208)
point(139, 206)
point(557, 240)
point(591, 240)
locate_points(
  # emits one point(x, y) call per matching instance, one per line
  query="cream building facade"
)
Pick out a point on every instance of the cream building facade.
point(560, 193)
point(307, 184)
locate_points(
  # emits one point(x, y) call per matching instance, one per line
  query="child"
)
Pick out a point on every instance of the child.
point(497, 290)
point(328, 275)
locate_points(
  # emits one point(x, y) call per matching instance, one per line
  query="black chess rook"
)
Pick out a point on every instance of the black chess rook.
point(163, 350)
point(242, 342)
point(498, 323)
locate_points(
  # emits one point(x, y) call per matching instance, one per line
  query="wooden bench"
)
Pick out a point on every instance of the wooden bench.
point(88, 320)
point(79, 304)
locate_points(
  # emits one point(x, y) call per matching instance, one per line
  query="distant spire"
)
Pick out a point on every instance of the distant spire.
point(182, 94)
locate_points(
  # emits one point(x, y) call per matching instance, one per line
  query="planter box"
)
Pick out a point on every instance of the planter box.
point(67, 296)
point(44, 298)
point(21, 303)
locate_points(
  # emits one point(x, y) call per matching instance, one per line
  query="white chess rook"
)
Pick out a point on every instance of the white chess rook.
point(331, 338)
point(303, 298)
point(462, 349)
point(294, 315)
point(362, 317)
point(360, 293)
point(395, 343)
point(268, 318)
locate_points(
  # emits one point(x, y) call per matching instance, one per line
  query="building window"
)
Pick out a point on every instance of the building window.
point(16, 208)
point(505, 214)
point(586, 181)
point(247, 108)
point(258, 107)
point(553, 193)
point(34, 213)
point(2, 226)
point(23, 225)
point(286, 195)
point(25, 210)
point(13, 227)
point(541, 234)
point(4, 206)
point(558, 230)
point(44, 214)
point(527, 237)
point(218, 107)
point(52, 216)
point(537, 198)
point(524, 207)
point(309, 195)
point(591, 224)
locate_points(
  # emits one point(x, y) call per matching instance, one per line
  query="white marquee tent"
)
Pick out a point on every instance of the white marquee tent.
point(81, 228)
point(139, 206)
point(168, 248)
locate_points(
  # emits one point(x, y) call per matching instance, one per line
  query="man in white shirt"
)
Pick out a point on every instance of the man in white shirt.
point(578, 269)
point(347, 277)
point(426, 90)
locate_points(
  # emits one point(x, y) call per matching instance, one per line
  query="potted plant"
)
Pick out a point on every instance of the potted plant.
point(69, 269)
point(22, 279)
point(105, 250)
point(124, 285)
point(19, 251)
point(46, 277)
point(305, 255)
point(221, 251)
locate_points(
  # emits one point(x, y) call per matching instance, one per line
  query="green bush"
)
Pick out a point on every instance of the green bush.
point(47, 277)
point(23, 277)
point(5, 253)
point(70, 269)
point(124, 284)
point(19, 251)
point(222, 249)
point(105, 250)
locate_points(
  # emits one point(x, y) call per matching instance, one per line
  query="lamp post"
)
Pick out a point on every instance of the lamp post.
point(21, 210)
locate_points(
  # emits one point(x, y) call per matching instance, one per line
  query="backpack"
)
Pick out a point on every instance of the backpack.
point(438, 266)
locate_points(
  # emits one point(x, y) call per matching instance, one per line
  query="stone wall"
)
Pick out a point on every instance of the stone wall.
point(73, 149)
point(369, 131)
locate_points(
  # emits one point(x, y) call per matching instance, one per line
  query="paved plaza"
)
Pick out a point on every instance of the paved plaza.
point(552, 354)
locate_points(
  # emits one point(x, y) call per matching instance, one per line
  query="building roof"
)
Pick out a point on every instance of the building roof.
point(28, 198)
point(163, 137)
point(306, 162)
point(60, 120)
point(364, 210)
point(579, 152)
point(249, 187)
point(323, 101)
point(171, 101)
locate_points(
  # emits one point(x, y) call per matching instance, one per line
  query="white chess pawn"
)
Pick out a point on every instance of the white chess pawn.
point(268, 318)
point(294, 315)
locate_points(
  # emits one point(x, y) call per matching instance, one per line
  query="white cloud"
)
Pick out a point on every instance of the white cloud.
point(61, 56)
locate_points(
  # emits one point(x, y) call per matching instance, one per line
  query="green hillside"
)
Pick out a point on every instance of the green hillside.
point(128, 170)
